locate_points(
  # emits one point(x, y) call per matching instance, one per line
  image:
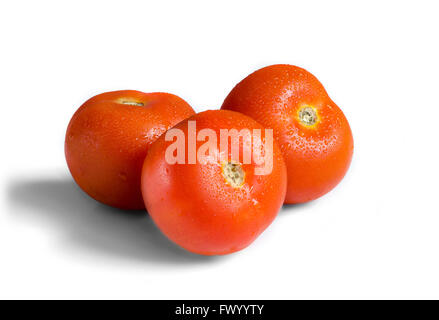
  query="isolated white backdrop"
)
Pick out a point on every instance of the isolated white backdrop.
point(374, 236)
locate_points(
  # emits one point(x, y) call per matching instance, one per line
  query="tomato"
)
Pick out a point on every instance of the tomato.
point(109, 136)
point(312, 132)
point(221, 205)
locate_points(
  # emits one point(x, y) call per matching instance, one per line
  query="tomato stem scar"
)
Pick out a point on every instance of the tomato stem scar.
point(133, 103)
point(308, 116)
point(234, 174)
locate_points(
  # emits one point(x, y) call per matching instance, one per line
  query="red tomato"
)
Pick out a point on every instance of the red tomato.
point(108, 139)
point(312, 132)
point(217, 207)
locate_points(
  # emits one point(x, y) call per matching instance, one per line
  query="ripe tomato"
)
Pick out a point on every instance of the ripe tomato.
point(219, 206)
point(312, 132)
point(109, 136)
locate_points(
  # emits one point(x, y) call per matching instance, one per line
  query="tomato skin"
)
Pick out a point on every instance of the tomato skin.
point(108, 138)
point(317, 157)
point(195, 207)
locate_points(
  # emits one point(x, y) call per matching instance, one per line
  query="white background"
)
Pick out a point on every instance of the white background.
point(375, 236)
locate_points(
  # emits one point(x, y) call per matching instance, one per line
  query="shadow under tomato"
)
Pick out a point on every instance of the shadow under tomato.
point(288, 209)
point(89, 226)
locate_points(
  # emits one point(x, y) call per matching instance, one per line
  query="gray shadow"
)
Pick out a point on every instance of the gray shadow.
point(91, 227)
point(288, 209)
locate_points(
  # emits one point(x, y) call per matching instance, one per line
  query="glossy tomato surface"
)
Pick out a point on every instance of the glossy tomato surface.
point(312, 131)
point(109, 136)
point(217, 207)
